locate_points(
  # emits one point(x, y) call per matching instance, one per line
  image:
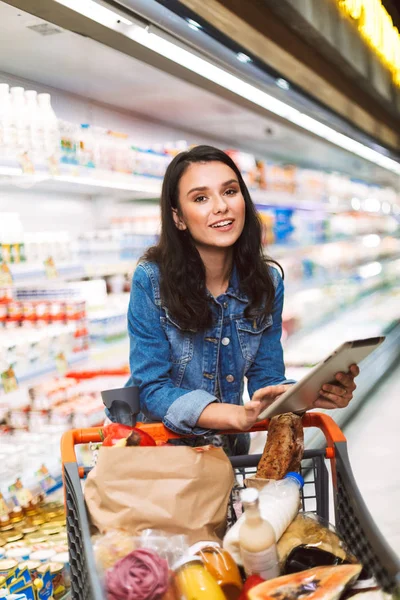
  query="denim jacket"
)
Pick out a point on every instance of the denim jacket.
point(180, 372)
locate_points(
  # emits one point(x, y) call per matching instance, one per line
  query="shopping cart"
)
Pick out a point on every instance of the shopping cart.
point(352, 518)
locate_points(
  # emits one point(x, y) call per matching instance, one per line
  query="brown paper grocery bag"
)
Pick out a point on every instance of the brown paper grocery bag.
point(177, 489)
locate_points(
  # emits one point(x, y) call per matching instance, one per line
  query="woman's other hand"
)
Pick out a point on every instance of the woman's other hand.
point(338, 395)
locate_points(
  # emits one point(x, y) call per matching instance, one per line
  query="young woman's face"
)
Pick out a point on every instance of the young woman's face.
point(211, 204)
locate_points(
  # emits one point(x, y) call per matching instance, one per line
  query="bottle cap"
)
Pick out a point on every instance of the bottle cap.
point(198, 546)
point(249, 495)
point(185, 560)
point(295, 477)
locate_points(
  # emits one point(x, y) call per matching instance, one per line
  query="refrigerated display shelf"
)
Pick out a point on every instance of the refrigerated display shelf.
point(85, 181)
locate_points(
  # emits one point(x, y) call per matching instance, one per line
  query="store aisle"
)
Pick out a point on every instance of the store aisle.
point(374, 449)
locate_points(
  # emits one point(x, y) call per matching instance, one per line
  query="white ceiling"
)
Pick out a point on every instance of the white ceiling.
point(81, 66)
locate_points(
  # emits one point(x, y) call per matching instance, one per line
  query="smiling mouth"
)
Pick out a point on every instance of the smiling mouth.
point(222, 224)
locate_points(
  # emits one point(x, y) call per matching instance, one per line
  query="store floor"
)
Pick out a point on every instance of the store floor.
point(374, 450)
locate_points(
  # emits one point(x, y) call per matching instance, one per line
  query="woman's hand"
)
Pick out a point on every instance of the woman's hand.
point(262, 398)
point(338, 395)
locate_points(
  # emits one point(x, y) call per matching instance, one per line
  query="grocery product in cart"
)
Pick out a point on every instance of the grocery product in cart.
point(257, 539)
point(352, 520)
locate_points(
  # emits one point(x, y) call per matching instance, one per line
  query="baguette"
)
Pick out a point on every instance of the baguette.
point(284, 448)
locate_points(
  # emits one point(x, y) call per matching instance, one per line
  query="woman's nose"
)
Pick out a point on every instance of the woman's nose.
point(220, 204)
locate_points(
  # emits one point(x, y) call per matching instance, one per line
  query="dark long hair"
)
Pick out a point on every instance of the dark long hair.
point(183, 275)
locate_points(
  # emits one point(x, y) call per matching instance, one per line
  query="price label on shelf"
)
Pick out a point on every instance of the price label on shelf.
point(5, 275)
point(4, 510)
point(26, 164)
point(20, 495)
point(50, 268)
point(9, 380)
point(61, 363)
point(46, 481)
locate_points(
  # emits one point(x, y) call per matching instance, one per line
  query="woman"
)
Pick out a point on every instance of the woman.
point(206, 308)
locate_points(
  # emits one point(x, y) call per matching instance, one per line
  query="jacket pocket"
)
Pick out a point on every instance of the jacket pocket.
point(249, 333)
point(180, 340)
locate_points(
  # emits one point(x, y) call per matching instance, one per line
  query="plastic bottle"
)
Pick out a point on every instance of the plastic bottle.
point(280, 501)
point(193, 581)
point(222, 567)
point(87, 147)
point(19, 120)
point(257, 539)
point(48, 126)
point(34, 135)
point(5, 118)
point(279, 504)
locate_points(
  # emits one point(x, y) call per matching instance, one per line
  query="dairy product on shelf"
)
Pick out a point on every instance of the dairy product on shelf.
point(19, 120)
point(48, 127)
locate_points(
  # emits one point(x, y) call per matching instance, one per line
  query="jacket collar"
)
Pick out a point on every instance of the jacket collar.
point(234, 287)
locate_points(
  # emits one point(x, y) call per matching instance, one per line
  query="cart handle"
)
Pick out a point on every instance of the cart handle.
point(332, 432)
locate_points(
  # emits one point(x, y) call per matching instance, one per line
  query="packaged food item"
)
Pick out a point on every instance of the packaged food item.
point(7, 566)
point(257, 539)
point(42, 556)
point(123, 435)
point(284, 448)
point(220, 564)
point(57, 576)
point(320, 583)
point(194, 581)
point(111, 547)
point(32, 566)
point(279, 504)
point(308, 542)
point(141, 575)
point(19, 553)
point(63, 558)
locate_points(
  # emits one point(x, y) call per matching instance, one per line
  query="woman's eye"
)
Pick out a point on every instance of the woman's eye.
point(200, 198)
point(231, 192)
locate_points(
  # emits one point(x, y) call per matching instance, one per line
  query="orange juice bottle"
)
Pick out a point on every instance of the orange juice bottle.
point(194, 582)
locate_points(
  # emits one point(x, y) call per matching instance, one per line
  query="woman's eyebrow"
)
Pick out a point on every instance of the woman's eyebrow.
point(203, 188)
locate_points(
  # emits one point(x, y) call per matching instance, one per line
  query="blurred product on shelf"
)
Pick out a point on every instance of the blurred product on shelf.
point(29, 133)
point(35, 551)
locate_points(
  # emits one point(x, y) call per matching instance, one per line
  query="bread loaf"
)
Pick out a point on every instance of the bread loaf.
point(284, 448)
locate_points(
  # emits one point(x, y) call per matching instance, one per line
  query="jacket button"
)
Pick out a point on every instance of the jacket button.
point(230, 378)
point(225, 341)
point(225, 305)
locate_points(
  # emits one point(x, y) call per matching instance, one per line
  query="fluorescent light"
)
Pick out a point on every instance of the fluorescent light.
point(243, 57)
point(95, 11)
point(370, 270)
point(386, 208)
point(282, 83)
point(355, 203)
point(194, 24)
point(202, 67)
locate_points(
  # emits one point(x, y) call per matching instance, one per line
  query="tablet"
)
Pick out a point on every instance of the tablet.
point(302, 395)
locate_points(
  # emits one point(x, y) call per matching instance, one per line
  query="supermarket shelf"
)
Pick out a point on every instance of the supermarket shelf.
point(50, 368)
point(35, 273)
point(103, 353)
point(82, 181)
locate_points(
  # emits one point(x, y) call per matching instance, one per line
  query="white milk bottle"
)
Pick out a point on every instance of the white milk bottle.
point(5, 118)
point(48, 127)
point(279, 503)
point(257, 539)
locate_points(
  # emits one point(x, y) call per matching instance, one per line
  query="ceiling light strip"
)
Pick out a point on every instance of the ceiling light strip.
point(202, 67)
